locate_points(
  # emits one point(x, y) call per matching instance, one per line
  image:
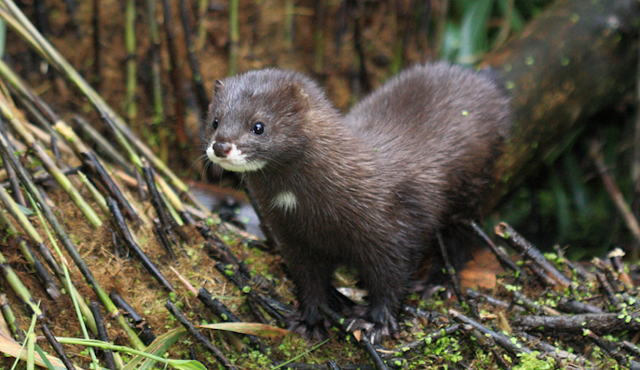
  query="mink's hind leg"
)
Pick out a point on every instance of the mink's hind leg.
point(312, 281)
point(460, 242)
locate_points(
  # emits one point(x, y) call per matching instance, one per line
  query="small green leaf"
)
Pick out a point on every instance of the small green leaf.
point(25, 210)
point(187, 365)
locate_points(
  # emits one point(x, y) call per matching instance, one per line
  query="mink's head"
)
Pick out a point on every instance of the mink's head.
point(257, 119)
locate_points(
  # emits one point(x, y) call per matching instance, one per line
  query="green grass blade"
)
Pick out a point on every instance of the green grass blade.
point(44, 358)
point(260, 330)
point(474, 34)
point(158, 348)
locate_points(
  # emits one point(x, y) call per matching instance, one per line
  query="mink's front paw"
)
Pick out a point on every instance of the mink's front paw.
point(311, 332)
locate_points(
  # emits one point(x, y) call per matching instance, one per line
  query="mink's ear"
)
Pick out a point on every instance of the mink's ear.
point(296, 98)
point(217, 87)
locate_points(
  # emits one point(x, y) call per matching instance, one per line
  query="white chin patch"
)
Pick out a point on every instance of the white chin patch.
point(285, 200)
point(235, 161)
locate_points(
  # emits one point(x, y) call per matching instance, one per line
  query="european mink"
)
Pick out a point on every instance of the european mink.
point(369, 189)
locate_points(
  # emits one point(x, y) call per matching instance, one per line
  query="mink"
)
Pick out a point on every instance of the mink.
point(369, 189)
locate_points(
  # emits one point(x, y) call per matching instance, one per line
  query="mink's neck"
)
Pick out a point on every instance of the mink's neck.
point(335, 158)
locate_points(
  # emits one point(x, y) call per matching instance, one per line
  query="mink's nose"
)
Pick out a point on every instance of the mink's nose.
point(221, 149)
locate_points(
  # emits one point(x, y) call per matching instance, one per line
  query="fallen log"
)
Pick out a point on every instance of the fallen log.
point(575, 59)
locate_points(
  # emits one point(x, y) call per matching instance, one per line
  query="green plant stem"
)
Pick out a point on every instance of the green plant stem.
point(102, 203)
point(318, 36)
point(289, 14)
point(202, 29)
point(173, 202)
point(16, 284)
point(234, 34)
point(132, 66)
point(154, 37)
point(113, 347)
point(31, 330)
point(31, 351)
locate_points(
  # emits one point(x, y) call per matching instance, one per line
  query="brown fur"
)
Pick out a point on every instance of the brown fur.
point(372, 186)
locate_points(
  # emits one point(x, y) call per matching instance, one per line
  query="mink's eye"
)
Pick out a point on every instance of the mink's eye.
point(214, 123)
point(258, 128)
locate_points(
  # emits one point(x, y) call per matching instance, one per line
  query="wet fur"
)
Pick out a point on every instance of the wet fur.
point(372, 186)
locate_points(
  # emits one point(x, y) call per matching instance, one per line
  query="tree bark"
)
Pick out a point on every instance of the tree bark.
point(576, 58)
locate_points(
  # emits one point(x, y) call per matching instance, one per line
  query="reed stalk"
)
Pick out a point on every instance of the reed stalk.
point(22, 220)
point(61, 128)
point(156, 80)
point(11, 14)
point(35, 237)
point(103, 336)
point(38, 118)
point(126, 235)
point(15, 184)
point(74, 298)
point(234, 36)
point(31, 349)
point(174, 72)
point(201, 26)
point(97, 48)
point(132, 62)
point(57, 347)
point(95, 164)
point(174, 203)
point(18, 287)
point(4, 327)
point(32, 260)
point(50, 164)
point(156, 202)
point(65, 239)
point(289, 17)
point(103, 146)
point(215, 351)
point(10, 319)
point(196, 76)
point(363, 74)
point(398, 49)
point(318, 36)
point(99, 198)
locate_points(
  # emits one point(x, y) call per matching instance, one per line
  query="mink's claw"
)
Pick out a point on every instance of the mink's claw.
point(353, 325)
point(373, 332)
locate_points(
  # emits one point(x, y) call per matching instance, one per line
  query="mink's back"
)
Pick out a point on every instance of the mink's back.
point(436, 124)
